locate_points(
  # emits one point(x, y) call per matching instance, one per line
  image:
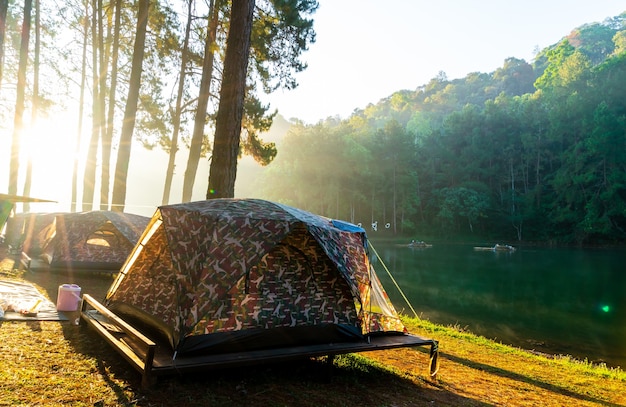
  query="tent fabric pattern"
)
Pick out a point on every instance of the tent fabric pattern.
point(99, 239)
point(282, 296)
point(36, 230)
point(153, 285)
point(7, 202)
point(230, 265)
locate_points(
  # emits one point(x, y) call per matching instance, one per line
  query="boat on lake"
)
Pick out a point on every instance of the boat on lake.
point(420, 244)
point(496, 248)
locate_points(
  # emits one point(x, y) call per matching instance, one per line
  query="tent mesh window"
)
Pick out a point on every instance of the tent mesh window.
point(104, 238)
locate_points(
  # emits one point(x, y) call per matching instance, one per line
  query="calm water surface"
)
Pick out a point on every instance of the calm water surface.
point(561, 301)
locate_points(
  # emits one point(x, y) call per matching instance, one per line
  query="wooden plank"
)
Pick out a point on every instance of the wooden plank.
point(129, 329)
point(143, 361)
point(151, 360)
point(119, 345)
point(25, 260)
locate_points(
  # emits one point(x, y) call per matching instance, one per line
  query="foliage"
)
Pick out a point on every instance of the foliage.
point(283, 31)
point(488, 155)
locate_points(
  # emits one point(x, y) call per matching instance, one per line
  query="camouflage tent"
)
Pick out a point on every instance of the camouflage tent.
point(7, 203)
point(100, 240)
point(226, 274)
point(35, 230)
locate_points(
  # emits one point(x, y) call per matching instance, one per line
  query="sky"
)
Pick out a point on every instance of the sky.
point(366, 50)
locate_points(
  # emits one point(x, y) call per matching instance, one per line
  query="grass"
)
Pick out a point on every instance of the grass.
point(59, 363)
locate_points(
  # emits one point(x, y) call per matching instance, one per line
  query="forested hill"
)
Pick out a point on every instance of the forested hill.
point(531, 152)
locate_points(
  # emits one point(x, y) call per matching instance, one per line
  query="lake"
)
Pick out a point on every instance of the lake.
point(553, 300)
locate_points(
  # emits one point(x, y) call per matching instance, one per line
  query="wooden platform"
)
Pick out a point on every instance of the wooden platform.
point(153, 360)
point(39, 265)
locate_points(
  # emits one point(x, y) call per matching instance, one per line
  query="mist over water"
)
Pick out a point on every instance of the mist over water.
point(552, 300)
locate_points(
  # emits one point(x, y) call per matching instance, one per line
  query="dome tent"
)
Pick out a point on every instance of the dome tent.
point(94, 240)
point(7, 208)
point(37, 230)
point(227, 275)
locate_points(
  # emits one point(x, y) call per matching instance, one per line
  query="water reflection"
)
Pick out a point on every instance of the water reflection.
point(563, 301)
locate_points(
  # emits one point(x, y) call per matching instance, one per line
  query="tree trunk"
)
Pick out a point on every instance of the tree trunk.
point(34, 103)
point(4, 7)
point(223, 171)
point(181, 86)
point(203, 100)
point(130, 112)
point(14, 165)
point(89, 179)
point(81, 105)
point(106, 142)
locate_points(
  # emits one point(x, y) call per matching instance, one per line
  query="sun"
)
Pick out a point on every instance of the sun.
point(50, 146)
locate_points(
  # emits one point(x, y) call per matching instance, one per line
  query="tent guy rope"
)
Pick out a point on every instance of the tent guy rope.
point(392, 279)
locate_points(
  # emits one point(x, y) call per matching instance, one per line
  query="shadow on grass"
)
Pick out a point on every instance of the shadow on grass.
point(300, 383)
point(305, 382)
point(94, 283)
point(110, 365)
point(516, 376)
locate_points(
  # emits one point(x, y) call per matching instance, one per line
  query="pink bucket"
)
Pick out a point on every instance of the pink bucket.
point(68, 298)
